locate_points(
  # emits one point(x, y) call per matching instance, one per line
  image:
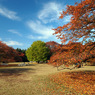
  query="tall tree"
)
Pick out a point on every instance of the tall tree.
point(38, 52)
point(81, 25)
point(82, 22)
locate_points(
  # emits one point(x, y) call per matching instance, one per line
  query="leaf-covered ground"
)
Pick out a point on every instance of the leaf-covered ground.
point(83, 82)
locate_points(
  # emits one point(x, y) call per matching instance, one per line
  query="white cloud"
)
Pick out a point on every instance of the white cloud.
point(9, 14)
point(37, 37)
point(37, 27)
point(12, 43)
point(14, 32)
point(31, 37)
point(50, 12)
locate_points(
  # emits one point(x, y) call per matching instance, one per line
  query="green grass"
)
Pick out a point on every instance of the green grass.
point(31, 80)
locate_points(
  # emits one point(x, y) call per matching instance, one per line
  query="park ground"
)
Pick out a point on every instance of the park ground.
point(42, 79)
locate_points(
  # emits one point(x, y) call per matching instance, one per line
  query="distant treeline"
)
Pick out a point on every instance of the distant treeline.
point(58, 54)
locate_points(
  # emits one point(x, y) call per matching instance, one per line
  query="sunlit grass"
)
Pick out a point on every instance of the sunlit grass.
point(33, 80)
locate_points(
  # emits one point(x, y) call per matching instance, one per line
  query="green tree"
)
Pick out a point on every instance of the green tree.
point(38, 52)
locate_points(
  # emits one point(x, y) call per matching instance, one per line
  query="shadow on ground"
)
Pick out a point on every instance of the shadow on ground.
point(87, 72)
point(13, 71)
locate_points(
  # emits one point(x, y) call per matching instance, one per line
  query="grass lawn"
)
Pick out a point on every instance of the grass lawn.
point(37, 79)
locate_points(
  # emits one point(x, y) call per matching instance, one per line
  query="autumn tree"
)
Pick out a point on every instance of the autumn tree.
point(53, 46)
point(8, 54)
point(38, 52)
point(82, 22)
point(72, 53)
point(81, 26)
point(66, 53)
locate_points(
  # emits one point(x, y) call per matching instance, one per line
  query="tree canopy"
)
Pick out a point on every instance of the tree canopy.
point(22, 51)
point(81, 26)
point(8, 54)
point(53, 46)
point(38, 52)
point(82, 22)
point(74, 53)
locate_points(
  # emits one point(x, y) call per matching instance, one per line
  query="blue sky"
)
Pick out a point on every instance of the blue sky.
point(24, 21)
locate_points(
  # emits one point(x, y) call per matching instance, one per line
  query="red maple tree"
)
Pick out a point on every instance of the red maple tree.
point(8, 54)
point(73, 53)
point(81, 23)
point(53, 46)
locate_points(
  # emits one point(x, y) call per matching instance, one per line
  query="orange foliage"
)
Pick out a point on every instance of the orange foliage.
point(81, 23)
point(65, 53)
point(81, 82)
point(8, 54)
point(53, 46)
point(80, 26)
point(73, 53)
